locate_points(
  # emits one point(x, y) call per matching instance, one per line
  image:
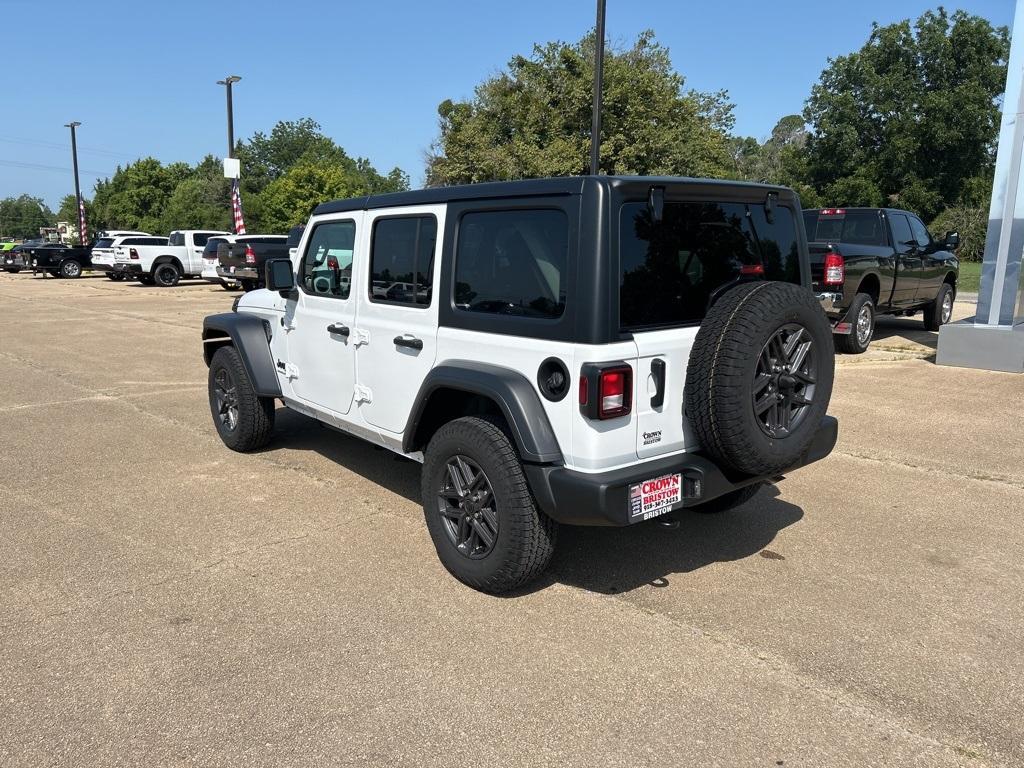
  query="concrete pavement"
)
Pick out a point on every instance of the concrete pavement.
point(168, 602)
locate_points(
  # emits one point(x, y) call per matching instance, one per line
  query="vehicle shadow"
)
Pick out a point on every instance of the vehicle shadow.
point(604, 560)
point(905, 328)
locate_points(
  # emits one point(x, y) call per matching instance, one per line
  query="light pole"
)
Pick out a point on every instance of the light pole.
point(78, 189)
point(227, 82)
point(595, 125)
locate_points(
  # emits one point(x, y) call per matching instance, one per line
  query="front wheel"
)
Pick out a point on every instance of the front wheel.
point(166, 275)
point(481, 516)
point(244, 420)
point(940, 311)
point(862, 317)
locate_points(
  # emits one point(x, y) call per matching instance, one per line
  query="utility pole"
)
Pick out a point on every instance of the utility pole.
point(595, 126)
point(78, 188)
point(227, 82)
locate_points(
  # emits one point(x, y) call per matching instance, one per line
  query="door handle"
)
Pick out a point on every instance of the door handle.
point(408, 341)
point(658, 371)
point(338, 329)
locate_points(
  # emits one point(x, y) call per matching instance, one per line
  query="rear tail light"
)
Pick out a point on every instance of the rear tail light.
point(752, 270)
point(250, 255)
point(606, 391)
point(835, 269)
point(133, 254)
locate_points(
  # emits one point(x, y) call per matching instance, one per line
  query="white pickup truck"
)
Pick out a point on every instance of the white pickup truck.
point(164, 265)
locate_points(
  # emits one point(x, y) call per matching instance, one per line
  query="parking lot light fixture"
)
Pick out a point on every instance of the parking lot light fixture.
point(227, 82)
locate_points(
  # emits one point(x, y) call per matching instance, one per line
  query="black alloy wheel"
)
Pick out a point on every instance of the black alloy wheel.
point(166, 275)
point(784, 380)
point(465, 502)
point(225, 392)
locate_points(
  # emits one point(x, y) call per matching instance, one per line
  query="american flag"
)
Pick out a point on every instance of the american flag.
point(82, 231)
point(236, 208)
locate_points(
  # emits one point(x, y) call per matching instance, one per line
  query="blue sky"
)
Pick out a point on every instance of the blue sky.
point(140, 76)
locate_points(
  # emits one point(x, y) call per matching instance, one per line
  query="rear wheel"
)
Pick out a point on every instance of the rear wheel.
point(166, 275)
point(862, 317)
point(243, 419)
point(940, 311)
point(70, 269)
point(481, 516)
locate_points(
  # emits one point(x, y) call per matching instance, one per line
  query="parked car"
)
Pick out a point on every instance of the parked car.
point(210, 263)
point(243, 258)
point(15, 259)
point(879, 261)
point(164, 265)
point(592, 351)
point(104, 251)
point(59, 259)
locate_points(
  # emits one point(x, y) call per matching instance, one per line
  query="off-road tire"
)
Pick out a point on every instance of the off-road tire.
point(166, 275)
point(70, 269)
point(720, 377)
point(730, 500)
point(934, 315)
point(856, 343)
point(526, 536)
point(255, 414)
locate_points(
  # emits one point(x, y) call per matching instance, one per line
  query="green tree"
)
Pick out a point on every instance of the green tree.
point(200, 201)
point(22, 216)
point(137, 195)
point(289, 199)
point(533, 119)
point(910, 117)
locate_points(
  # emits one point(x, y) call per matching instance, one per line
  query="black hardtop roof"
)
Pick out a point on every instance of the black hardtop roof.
point(565, 185)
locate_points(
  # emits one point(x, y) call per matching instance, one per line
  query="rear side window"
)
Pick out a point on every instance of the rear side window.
point(327, 266)
point(200, 238)
point(176, 238)
point(854, 227)
point(670, 270)
point(512, 262)
point(402, 260)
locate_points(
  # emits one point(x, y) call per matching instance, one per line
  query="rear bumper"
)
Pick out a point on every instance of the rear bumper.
point(579, 498)
point(240, 273)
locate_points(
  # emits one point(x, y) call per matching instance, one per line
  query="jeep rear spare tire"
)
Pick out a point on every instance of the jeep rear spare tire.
point(760, 377)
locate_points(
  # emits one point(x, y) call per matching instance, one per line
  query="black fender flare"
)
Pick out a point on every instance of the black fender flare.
point(512, 392)
point(250, 336)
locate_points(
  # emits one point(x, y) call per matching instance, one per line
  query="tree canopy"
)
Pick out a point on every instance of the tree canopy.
point(533, 119)
point(22, 216)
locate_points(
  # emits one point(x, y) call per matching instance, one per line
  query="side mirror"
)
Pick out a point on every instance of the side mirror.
point(279, 276)
point(952, 241)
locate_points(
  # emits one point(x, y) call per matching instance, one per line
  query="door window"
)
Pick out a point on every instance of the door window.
point(402, 260)
point(901, 233)
point(920, 232)
point(327, 264)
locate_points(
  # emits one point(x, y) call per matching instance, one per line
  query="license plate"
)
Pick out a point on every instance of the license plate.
point(655, 496)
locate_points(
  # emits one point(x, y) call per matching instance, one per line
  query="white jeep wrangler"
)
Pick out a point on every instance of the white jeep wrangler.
point(586, 351)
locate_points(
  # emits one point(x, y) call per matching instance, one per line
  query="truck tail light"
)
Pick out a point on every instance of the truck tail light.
point(752, 270)
point(606, 391)
point(133, 254)
point(835, 269)
point(250, 255)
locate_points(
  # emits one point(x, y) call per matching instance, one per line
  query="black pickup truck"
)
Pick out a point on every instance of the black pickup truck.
point(871, 261)
point(243, 259)
point(59, 260)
